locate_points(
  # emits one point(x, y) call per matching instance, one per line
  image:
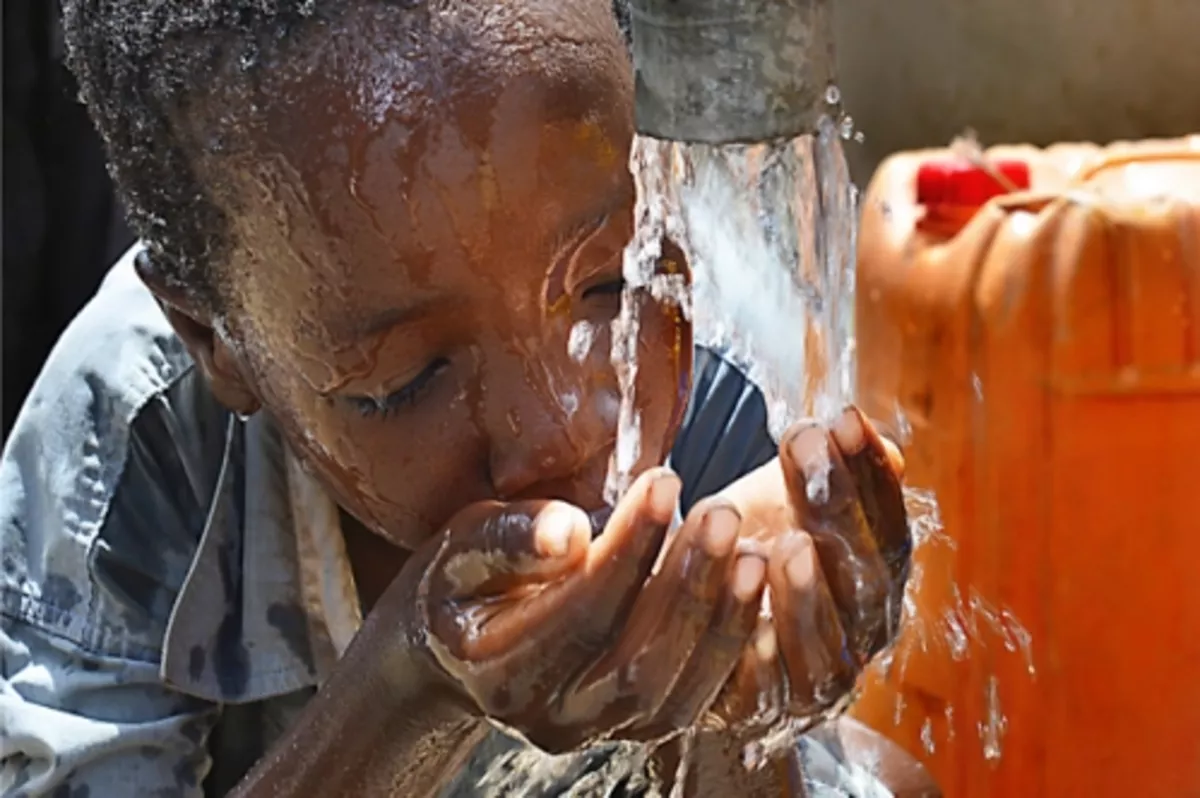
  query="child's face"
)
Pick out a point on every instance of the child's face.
point(428, 261)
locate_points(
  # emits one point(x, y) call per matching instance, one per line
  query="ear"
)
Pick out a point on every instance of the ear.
point(213, 354)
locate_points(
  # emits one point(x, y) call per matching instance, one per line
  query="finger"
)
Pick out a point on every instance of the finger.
point(828, 508)
point(754, 697)
point(569, 622)
point(812, 644)
point(492, 548)
point(487, 586)
point(668, 619)
point(719, 650)
point(620, 560)
point(877, 468)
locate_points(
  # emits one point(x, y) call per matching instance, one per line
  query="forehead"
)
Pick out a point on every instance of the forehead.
point(386, 155)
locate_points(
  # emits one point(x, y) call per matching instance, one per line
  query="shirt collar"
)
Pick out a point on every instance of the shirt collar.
point(270, 600)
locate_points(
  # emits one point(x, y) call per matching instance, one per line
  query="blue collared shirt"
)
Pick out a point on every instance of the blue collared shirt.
point(170, 590)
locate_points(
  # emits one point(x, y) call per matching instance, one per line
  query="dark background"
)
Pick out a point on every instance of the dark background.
point(63, 226)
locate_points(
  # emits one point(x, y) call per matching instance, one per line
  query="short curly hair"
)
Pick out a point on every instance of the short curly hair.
point(138, 64)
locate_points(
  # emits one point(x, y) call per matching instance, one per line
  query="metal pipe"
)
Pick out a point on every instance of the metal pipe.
point(724, 71)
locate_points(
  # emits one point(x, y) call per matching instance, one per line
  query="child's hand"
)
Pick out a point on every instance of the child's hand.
point(830, 514)
point(568, 639)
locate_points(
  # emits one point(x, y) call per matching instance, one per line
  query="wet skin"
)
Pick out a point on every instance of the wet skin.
point(414, 243)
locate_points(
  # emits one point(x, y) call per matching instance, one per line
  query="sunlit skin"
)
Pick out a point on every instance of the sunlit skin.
point(413, 243)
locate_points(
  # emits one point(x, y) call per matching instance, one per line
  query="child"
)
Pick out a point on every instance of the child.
point(344, 421)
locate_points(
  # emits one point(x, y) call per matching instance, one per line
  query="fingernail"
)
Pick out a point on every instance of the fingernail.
point(554, 529)
point(849, 431)
point(803, 440)
point(748, 577)
point(720, 531)
point(810, 453)
point(664, 496)
point(800, 564)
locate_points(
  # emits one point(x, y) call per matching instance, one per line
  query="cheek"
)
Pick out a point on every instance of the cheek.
point(403, 474)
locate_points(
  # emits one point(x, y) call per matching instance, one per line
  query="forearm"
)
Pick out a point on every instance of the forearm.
point(376, 728)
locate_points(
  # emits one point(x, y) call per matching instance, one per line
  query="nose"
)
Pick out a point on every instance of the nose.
point(518, 466)
point(544, 431)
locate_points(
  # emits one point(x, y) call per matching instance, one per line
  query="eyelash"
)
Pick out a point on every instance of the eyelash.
point(368, 406)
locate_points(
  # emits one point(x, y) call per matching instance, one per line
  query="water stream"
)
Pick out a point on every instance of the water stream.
point(768, 230)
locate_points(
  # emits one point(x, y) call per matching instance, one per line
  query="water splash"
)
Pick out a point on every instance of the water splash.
point(993, 727)
point(963, 629)
point(687, 744)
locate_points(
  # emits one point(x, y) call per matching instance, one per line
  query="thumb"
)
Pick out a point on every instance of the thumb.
point(491, 548)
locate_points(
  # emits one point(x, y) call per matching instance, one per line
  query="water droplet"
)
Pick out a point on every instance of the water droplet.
point(579, 343)
point(977, 387)
point(846, 127)
point(833, 95)
point(1017, 638)
point(927, 736)
point(993, 728)
point(956, 635)
point(903, 426)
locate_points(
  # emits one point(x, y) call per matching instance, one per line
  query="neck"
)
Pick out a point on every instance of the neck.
point(373, 560)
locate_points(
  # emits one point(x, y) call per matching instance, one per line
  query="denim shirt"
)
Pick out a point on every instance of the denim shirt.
point(173, 586)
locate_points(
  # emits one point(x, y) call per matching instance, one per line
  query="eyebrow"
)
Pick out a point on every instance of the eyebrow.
point(374, 324)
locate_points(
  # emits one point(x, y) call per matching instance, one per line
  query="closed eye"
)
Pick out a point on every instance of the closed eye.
point(404, 397)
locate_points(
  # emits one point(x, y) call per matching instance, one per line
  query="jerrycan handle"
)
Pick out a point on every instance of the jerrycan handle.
point(952, 190)
point(1166, 152)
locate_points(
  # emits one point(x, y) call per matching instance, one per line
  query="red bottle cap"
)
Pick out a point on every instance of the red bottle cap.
point(961, 183)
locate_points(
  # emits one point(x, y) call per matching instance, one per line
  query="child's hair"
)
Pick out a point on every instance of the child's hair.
point(139, 63)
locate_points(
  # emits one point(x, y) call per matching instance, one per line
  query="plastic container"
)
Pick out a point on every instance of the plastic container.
point(1038, 338)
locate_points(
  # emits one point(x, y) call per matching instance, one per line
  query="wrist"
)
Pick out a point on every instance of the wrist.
point(405, 675)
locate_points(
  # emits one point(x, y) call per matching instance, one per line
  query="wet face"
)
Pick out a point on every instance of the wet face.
point(428, 259)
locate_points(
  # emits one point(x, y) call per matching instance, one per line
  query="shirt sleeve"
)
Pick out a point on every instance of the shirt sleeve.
point(87, 726)
point(86, 598)
point(724, 432)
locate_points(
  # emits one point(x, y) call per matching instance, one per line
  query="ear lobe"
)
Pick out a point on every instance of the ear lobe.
point(217, 361)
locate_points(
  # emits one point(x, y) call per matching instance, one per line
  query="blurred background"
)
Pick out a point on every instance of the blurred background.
point(63, 226)
point(913, 73)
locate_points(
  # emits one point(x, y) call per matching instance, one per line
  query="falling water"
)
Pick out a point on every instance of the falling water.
point(768, 231)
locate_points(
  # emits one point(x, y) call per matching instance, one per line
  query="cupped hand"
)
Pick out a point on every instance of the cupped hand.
point(569, 639)
point(829, 515)
point(637, 633)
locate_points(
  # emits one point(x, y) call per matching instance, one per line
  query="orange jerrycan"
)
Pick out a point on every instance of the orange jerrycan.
point(1031, 321)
